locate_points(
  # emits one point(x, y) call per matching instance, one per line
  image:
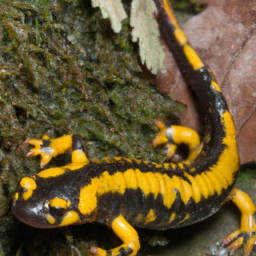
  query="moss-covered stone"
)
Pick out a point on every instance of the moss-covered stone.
point(64, 71)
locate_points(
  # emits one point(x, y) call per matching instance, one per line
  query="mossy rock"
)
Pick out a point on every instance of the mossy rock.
point(64, 71)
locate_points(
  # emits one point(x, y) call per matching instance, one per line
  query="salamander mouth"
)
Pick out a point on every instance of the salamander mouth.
point(29, 212)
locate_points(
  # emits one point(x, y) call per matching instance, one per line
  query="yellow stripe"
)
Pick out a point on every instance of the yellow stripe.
point(202, 185)
point(186, 217)
point(192, 57)
point(170, 194)
point(187, 190)
point(131, 179)
point(228, 162)
point(142, 181)
point(216, 86)
point(222, 178)
point(208, 183)
point(153, 184)
point(172, 217)
point(195, 187)
point(49, 218)
point(71, 217)
point(162, 188)
point(169, 13)
point(180, 36)
point(156, 183)
point(150, 216)
point(59, 202)
point(215, 181)
point(51, 172)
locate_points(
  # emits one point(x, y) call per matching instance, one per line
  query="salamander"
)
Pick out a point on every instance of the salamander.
point(125, 193)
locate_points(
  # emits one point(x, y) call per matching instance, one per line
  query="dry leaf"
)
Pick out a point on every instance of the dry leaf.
point(112, 9)
point(147, 33)
point(145, 29)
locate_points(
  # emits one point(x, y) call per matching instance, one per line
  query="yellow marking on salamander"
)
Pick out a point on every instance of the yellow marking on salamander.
point(219, 176)
point(16, 196)
point(208, 183)
point(75, 166)
point(215, 181)
point(99, 186)
point(172, 217)
point(148, 183)
point(216, 86)
point(202, 185)
point(59, 202)
point(197, 193)
point(128, 160)
point(29, 185)
point(158, 166)
point(49, 218)
point(131, 179)
point(150, 216)
point(96, 160)
point(153, 184)
point(186, 217)
point(167, 166)
point(51, 172)
point(161, 182)
point(180, 36)
point(170, 193)
point(187, 191)
point(107, 160)
point(169, 13)
point(57, 171)
point(78, 156)
point(222, 179)
point(192, 57)
point(229, 159)
point(143, 182)
point(70, 217)
point(136, 160)
point(181, 165)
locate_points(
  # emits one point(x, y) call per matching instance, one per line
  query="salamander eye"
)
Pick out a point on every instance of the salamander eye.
point(58, 207)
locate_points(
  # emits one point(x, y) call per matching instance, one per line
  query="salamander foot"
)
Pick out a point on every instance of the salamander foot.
point(246, 234)
point(48, 148)
point(120, 251)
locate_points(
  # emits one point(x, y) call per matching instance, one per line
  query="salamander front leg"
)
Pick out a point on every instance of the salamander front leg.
point(176, 135)
point(49, 148)
point(127, 234)
point(246, 233)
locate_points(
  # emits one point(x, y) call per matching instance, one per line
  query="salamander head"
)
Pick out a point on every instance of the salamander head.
point(38, 203)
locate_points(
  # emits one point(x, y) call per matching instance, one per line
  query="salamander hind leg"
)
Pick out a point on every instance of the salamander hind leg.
point(48, 148)
point(127, 234)
point(246, 233)
point(174, 136)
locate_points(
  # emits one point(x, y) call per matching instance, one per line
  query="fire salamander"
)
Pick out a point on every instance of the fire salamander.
point(125, 193)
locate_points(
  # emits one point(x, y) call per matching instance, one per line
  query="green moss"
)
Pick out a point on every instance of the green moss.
point(247, 176)
point(64, 71)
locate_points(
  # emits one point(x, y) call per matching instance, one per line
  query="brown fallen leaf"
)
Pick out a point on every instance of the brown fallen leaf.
point(224, 35)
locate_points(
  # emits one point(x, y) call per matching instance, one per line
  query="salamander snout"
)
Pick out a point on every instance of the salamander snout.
point(26, 206)
point(43, 206)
